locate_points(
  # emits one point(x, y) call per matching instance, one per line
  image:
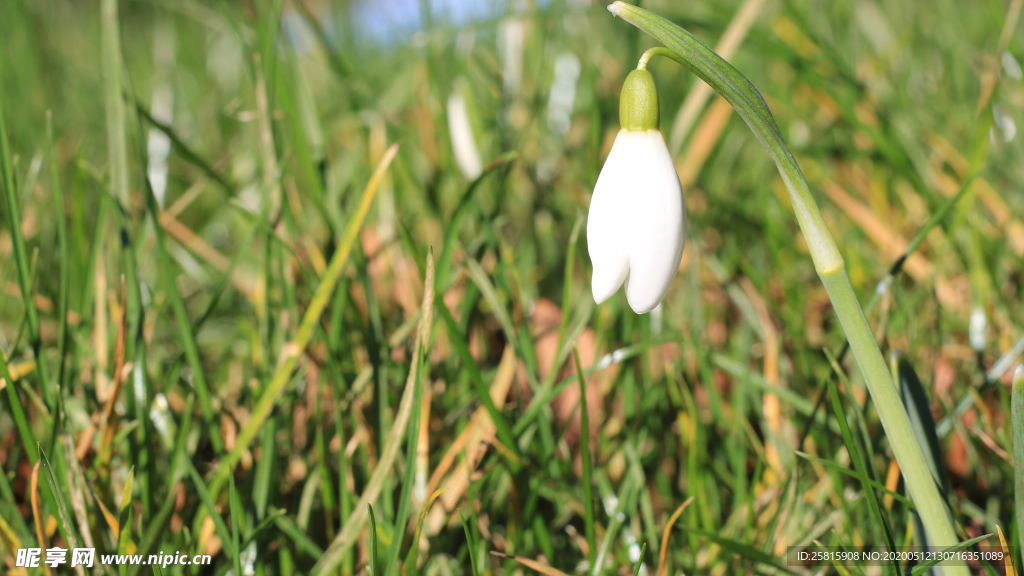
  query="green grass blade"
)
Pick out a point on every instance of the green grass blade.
point(56, 488)
point(64, 253)
point(157, 525)
point(236, 557)
point(922, 568)
point(454, 224)
point(476, 379)
point(412, 432)
point(740, 549)
point(533, 410)
point(479, 277)
point(207, 499)
point(124, 516)
point(14, 404)
point(588, 479)
point(570, 260)
point(916, 400)
point(174, 464)
point(350, 530)
point(626, 495)
point(261, 411)
point(224, 282)
point(410, 560)
point(853, 474)
point(298, 537)
point(862, 473)
point(374, 568)
point(1017, 420)
point(185, 151)
point(640, 562)
point(344, 497)
point(932, 222)
point(261, 526)
point(186, 336)
point(264, 468)
point(883, 285)
point(22, 263)
point(117, 141)
point(470, 544)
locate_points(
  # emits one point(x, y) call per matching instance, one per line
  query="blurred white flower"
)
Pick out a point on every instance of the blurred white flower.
point(1011, 66)
point(511, 34)
point(158, 145)
point(976, 329)
point(637, 223)
point(1002, 122)
point(563, 93)
point(467, 156)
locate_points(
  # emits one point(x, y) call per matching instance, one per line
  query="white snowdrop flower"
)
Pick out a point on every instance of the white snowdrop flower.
point(467, 156)
point(637, 222)
point(511, 37)
point(158, 145)
point(159, 413)
point(1004, 123)
point(976, 329)
point(563, 93)
point(1011, 66)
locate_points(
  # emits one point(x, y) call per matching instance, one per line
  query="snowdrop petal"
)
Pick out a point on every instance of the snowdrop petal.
point(606, 236)
point(658, 222)
point(637, 222)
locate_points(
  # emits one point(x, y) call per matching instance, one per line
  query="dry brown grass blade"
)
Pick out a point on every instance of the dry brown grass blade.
point(18, 371)
point(532, 564)
point(449, 457)
point(108, 421)
point(187, 197)
point(772, 406)
point(11, 543)
point(37, 511)
point(99, 332)
point(1007, 553)
point(413, 552)
point(891, 243)
point(291, 352)
point(43, 304)
point(663, 555)
point(703, 142)
point(734, 34)
point(111, 520)
point(353, 526)
point(479, 433)
point(480, 425)
point(892, 479)
point(1012, 16)
point(76, 484)
point(198, 246)
point(1001, 213)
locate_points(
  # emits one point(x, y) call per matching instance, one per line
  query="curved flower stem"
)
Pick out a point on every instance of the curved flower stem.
point(748, 103)
point(657, 51)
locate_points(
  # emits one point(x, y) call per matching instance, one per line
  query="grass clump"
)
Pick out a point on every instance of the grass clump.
point(241, 360)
